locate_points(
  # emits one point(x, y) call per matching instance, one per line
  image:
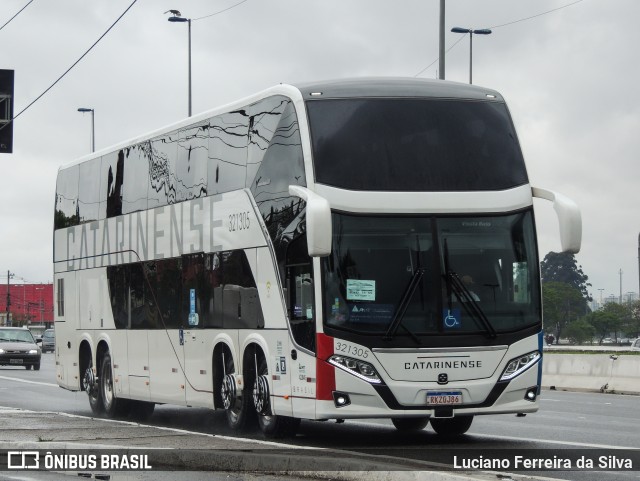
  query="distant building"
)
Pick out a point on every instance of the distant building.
point(30, 304)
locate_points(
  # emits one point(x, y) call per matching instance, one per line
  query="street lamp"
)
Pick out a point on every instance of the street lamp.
point(93, 129)
point(177, 17)
point(481, 31)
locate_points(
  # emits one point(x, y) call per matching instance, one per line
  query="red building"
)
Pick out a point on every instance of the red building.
point(29, 304)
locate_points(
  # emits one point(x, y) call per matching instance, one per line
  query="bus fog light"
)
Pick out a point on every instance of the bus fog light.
point(341, 399)
point(531, 394)
point(517, 366)
point(360, 369)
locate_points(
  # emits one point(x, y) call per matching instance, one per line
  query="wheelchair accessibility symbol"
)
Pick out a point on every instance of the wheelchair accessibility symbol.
point(452, 319)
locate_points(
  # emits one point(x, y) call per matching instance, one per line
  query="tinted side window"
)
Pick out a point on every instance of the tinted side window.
point(201, 275)
point(228, 137)
point(66, 213)
point(190, 169)
point(300, 293)
point(162, 158)
point(136, 178)
point(119, 294)
point(157, 294)
point(281, 165)
point(168, 292)
point(241, 307)
point(89, 190)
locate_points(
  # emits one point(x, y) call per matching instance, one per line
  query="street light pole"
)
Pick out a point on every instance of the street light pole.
point(481, 31)
point(177, 17)
point(93, 127)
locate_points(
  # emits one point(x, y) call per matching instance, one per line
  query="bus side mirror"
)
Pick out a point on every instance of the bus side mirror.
point(569, 218)
point(318, 218)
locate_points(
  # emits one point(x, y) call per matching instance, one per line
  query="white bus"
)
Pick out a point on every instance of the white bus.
point(360, 248)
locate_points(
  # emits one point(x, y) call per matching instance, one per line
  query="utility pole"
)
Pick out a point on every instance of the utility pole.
point(8, 321)
point(441, 55)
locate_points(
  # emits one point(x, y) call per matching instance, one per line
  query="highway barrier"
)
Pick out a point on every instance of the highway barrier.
point(592, 372)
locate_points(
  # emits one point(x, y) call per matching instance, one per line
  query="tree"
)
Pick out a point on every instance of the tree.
point(608, 319)
point(579, 331)
point(561, 304)
point(562, 267)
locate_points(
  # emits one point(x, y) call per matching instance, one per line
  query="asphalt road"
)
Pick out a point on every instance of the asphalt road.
point(566, 420)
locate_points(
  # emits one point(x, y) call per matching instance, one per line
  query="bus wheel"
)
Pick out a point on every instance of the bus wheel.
point(236, 403)
point(410, 424)
point(113, 407)
point(91, 387)
point(272, 426)
point(451, 427)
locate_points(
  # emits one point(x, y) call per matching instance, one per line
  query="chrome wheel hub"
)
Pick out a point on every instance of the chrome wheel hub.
point(261, 395)
point(229, 391)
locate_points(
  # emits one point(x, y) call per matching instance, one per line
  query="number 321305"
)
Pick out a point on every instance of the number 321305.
point(351, 349)
point(239, 221)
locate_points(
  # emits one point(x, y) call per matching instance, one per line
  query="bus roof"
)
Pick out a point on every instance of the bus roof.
point(356, 87)
point(395, 87)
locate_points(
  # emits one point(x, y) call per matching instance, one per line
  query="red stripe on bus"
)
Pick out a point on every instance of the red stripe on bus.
point(325, 372)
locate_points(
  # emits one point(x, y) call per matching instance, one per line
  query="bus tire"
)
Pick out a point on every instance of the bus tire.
point(92, 389)
point(410, 424)
point(239, 408)
point(451, 427)
point(271, 425)
point(113, 407)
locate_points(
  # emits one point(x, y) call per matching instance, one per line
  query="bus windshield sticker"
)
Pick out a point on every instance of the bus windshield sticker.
point(371, 313)
point(451, 318)
point(361, 290)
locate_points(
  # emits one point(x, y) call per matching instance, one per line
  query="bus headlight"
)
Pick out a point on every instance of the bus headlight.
point(358, 368)
point(517, 366)
point(33, 351)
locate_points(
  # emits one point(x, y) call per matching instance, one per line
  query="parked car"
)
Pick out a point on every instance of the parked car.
point(18, 348)
point(635, 345)
point(48, 341)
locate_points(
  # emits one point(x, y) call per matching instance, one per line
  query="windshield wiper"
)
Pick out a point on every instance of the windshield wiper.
point(403, 306)
point(467, 300)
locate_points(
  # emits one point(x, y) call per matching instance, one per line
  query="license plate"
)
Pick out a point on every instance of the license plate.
point(15, 361)
point(444, 398)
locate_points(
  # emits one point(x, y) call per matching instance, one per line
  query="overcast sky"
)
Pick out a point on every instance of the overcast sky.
point(568, 77)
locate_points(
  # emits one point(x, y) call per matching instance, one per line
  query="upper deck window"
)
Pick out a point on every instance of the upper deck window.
point(410, 144)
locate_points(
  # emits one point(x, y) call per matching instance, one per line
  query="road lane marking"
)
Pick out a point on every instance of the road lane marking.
point(28, 382)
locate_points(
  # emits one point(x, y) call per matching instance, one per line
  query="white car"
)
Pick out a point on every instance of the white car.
point(635, 345)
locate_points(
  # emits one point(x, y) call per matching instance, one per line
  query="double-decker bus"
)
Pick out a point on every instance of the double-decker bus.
point(361, 248)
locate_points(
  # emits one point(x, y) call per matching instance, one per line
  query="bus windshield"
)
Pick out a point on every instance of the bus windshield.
point(427, 275)
point(414, 144)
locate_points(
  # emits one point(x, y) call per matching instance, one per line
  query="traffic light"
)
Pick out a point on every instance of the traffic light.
point(6, 111)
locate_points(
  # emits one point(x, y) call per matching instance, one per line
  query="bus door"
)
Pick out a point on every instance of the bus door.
point(199, 279)
point(165, 331)
point(66, 331)
point(197, 358)
point(302, 318)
